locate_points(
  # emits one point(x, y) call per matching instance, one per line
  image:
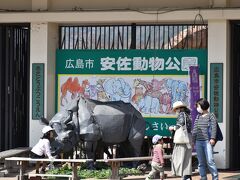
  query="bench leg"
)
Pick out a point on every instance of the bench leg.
point(22, 165)
point(24, 177)
point(21, 170)
point(115, 170)
point(74, 171)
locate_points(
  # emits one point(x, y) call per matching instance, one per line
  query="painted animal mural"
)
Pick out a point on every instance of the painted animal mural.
point(111, 89)
point(158, 96)
point(93, 122)
point(117, 89)
point(153, 96)
point(73, 87)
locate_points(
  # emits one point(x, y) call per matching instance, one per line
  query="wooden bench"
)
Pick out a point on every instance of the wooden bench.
point(10, 166)
point(115, 163)
point(22, 161)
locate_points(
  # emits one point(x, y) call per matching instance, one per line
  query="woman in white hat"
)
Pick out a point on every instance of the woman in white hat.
point(182, 153)
point(42, 148)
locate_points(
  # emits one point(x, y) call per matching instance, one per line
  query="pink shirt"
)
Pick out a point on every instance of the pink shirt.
point(158, 154)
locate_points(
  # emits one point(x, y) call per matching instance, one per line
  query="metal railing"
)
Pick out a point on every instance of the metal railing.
point(133, 37)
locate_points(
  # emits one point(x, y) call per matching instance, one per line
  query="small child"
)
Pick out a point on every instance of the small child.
point(42, 148)
point(157, 161)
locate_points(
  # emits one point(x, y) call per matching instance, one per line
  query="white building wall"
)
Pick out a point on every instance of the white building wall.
point(43, 46)
point(63, 5)
point(76, 5)
point(218, 52)
point(15, 5)
point(41, 5)
point(125, 4)
point(52, 45)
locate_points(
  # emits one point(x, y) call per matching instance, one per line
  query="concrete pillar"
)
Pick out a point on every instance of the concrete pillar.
point(43, 45)
point(218, 52)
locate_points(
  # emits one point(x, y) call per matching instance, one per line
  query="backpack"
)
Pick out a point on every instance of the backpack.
point(219, 135)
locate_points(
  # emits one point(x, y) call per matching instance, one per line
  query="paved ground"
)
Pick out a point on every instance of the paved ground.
point(223, 174)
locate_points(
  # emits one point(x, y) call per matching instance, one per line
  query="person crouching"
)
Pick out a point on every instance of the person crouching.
point(42, 148)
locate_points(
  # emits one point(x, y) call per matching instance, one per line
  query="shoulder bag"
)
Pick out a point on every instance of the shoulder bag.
point(219, 135)
point(181, 134)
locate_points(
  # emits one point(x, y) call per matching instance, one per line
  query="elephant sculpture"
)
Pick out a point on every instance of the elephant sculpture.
point(94, 122)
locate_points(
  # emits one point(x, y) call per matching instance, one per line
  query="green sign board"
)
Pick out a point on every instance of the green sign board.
point(37, 90)
point(152, 80)
point(216, 90)
point(129, 61)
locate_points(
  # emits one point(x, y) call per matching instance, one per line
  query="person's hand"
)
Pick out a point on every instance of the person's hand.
point(171, 128)
point(51, 158)
point(212, 142)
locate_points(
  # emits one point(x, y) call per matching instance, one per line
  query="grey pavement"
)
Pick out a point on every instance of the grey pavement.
point(223, 174)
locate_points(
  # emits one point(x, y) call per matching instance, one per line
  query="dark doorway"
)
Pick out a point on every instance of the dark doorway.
point(14, 85)
point(235, 96)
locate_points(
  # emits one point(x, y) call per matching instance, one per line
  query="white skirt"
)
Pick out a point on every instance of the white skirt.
point(182, 160)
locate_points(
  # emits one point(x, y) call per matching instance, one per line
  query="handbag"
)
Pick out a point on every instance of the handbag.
point(219, 135)
point(181, 134)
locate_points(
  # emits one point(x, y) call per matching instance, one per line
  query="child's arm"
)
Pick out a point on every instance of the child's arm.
point(47, 149)
point(160, 154)
point(162, 159)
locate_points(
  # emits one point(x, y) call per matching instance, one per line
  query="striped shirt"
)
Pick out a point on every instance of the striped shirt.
point(200, 129)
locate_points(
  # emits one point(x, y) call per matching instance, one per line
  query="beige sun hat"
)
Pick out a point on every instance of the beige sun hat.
point(178, 104)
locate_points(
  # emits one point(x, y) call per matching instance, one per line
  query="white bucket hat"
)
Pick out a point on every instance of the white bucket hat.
point(156, 138)
point(178, 104)
point(46, 129)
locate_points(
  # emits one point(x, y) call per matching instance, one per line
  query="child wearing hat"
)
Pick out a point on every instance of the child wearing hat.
point(157, 161)
point(42, 148)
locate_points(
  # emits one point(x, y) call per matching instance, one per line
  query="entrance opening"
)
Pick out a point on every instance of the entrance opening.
point(235, 96)
point(14, 85)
